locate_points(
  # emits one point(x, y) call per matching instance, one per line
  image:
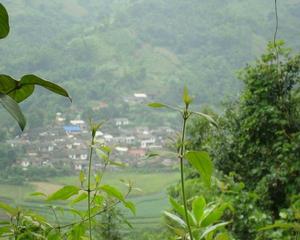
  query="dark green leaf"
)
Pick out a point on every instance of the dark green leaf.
point(4, 22)
point(14, 89)
point(282, 225)
point(14, 110)
point(7, 84)
point(34, 80)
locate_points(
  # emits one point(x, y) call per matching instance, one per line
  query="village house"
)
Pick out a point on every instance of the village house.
point(121, 122)
point(146, 143)
point(72, 129)
point(136, 152)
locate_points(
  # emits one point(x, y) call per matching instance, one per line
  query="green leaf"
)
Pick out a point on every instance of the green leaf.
point(156, 105)
point(64, 193)
point(99, 200)
point(38, 194)
point(117, 163)
point(10, 210)
point(207, 117)
point(113, 192)
point(213, 229)
point(201, 161)
point(34, 80)
point(79, 198)
point(77, 231)
point(177, 207)
point(198, 206)
point(130, 206)
point(77, 212)
point(161, 105)
point(105, 148)
point(174, 218)
point(7, 83)
point(14, 110)
point(153, 154)
point(5, 230)
point(282, 225)
point(54, 235)
point(222, 236)
point(180, 210)
point(4, 22)
point(214, 214)
point(20, 90)
point(13, 88)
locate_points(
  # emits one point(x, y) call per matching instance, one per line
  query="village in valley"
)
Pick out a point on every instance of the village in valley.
point(66, 143)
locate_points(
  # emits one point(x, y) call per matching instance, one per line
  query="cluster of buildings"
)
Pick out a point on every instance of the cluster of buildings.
point(66, 143)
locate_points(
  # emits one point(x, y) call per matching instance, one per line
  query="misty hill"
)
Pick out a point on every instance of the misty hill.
point(107, 50)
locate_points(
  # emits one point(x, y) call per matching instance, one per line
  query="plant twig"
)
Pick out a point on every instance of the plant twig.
point(185, 116)
point(89, 187)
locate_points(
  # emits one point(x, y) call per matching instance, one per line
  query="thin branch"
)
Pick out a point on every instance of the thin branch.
point(185, 116)
point(275, 35)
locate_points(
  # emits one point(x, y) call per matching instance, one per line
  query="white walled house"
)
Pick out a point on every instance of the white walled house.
point(121, 122)
point(146, 142)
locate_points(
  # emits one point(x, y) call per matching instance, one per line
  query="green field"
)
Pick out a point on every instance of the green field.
point(15, 193)
point(147, 183)
point(150, 201)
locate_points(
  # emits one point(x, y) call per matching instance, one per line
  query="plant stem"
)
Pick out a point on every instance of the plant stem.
point(182, 151)
point(89, 187)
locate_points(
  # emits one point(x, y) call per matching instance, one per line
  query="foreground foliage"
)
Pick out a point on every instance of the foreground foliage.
point(257, 147)
point(12, 91)
point(100, 199)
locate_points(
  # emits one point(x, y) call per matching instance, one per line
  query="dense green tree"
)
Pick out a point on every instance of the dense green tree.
point(264, 128)
point(259, 136)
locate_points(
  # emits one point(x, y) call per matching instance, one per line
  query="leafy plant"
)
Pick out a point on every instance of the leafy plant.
point(203, 217)
point(261, 140)
point(199, 160)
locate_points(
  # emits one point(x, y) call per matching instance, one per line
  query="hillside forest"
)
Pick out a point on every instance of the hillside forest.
point(150, 119)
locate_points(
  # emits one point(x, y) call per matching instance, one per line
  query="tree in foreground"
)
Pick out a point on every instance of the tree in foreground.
point(260, 135)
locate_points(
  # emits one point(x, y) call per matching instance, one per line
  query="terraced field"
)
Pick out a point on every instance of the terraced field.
point(150, 200)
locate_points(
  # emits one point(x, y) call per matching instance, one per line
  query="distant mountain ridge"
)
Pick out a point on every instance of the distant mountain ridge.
point(108, 49)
